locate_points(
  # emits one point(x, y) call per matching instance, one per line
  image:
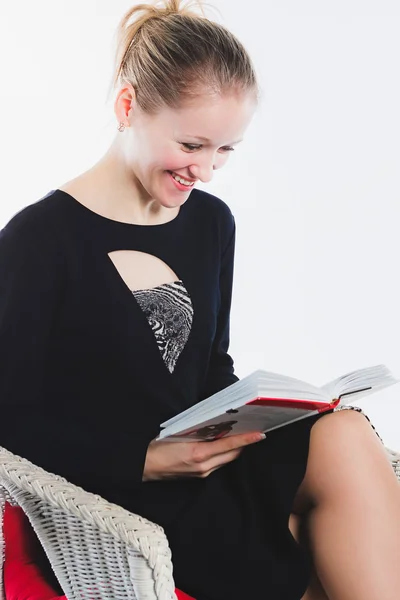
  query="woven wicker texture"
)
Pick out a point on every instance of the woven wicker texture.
point(98, 550)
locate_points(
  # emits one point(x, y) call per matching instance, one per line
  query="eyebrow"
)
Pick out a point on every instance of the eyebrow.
point(204, 139)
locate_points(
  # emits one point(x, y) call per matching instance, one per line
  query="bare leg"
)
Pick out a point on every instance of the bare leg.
point(354, 521)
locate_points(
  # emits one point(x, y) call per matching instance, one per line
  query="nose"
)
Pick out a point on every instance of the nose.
point(203, 169)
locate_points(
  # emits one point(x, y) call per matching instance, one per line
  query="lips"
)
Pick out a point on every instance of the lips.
point(183, 176)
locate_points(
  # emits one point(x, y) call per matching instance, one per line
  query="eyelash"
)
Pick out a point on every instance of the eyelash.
point(193, 147)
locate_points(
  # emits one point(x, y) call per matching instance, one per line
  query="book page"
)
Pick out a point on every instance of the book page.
point(359, 383)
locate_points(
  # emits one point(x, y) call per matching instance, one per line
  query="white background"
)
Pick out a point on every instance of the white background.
point(314, 187)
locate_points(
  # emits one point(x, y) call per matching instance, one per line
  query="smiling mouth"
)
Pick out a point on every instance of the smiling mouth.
point(182, 180)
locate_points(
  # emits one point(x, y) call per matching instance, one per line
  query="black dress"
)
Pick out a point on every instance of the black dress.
point(89, 369)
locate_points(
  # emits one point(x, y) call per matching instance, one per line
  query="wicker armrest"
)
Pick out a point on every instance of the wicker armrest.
point(97, 549)
point(394, 458)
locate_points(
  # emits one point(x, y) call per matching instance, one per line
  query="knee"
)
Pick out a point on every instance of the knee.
point(343, 448)
point(343, 429)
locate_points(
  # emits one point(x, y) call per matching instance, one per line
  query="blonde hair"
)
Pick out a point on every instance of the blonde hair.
point(170, 54)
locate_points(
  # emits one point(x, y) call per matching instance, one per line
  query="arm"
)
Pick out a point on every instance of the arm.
point(32, 279)
point(221, 370)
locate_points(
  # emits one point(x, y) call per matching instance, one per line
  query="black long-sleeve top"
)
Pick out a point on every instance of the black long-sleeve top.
point(83, 387)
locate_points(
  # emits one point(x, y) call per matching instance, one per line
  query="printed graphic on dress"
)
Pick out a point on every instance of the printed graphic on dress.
point(169, 311)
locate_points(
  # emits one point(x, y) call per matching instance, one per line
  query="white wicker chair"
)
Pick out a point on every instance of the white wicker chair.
point(97, 550)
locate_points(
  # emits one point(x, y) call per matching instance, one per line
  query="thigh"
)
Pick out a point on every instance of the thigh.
point(342, 446)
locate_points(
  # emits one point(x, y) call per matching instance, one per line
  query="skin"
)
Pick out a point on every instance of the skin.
point(349, 500)
point(131, 181)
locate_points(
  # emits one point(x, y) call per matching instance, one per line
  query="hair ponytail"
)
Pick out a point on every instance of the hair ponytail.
point(169, 53)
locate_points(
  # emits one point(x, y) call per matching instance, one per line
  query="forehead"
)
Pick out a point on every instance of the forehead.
point(212, 117)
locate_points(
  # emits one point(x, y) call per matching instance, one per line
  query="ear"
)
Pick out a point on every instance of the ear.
point(125, 104)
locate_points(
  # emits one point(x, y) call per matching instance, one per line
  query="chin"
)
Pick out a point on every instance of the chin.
point(171, 200)
point(173, 204)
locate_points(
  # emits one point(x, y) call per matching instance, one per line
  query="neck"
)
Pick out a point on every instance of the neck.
point(111, 189)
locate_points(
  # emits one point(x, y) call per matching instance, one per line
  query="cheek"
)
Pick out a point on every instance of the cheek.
point(172, 160)
point(176, 157)
point(155, 157)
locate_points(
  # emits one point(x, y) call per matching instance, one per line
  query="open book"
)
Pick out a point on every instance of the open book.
point(263, 401)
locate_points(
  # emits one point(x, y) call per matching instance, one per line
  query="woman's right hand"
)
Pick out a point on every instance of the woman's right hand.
point(177, 460)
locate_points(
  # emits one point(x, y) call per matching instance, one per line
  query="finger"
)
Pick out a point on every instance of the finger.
point(231, 443)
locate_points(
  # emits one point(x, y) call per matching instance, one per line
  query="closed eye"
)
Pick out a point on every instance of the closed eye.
point(193, 147)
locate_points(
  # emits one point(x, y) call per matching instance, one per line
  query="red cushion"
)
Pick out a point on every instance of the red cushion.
point(182, 595)
point(23, 577)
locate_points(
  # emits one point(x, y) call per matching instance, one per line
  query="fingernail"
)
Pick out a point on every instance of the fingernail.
point(261, 436)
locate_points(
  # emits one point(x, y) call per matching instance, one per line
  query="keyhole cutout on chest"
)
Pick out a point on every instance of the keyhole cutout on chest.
point(141, 271)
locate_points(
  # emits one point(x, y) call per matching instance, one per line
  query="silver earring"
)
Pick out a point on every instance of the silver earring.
point(121, 127)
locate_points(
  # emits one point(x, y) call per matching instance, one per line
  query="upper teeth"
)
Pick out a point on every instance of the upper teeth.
point(181, 180)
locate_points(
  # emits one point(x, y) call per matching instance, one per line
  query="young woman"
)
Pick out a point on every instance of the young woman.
point(114, 316)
